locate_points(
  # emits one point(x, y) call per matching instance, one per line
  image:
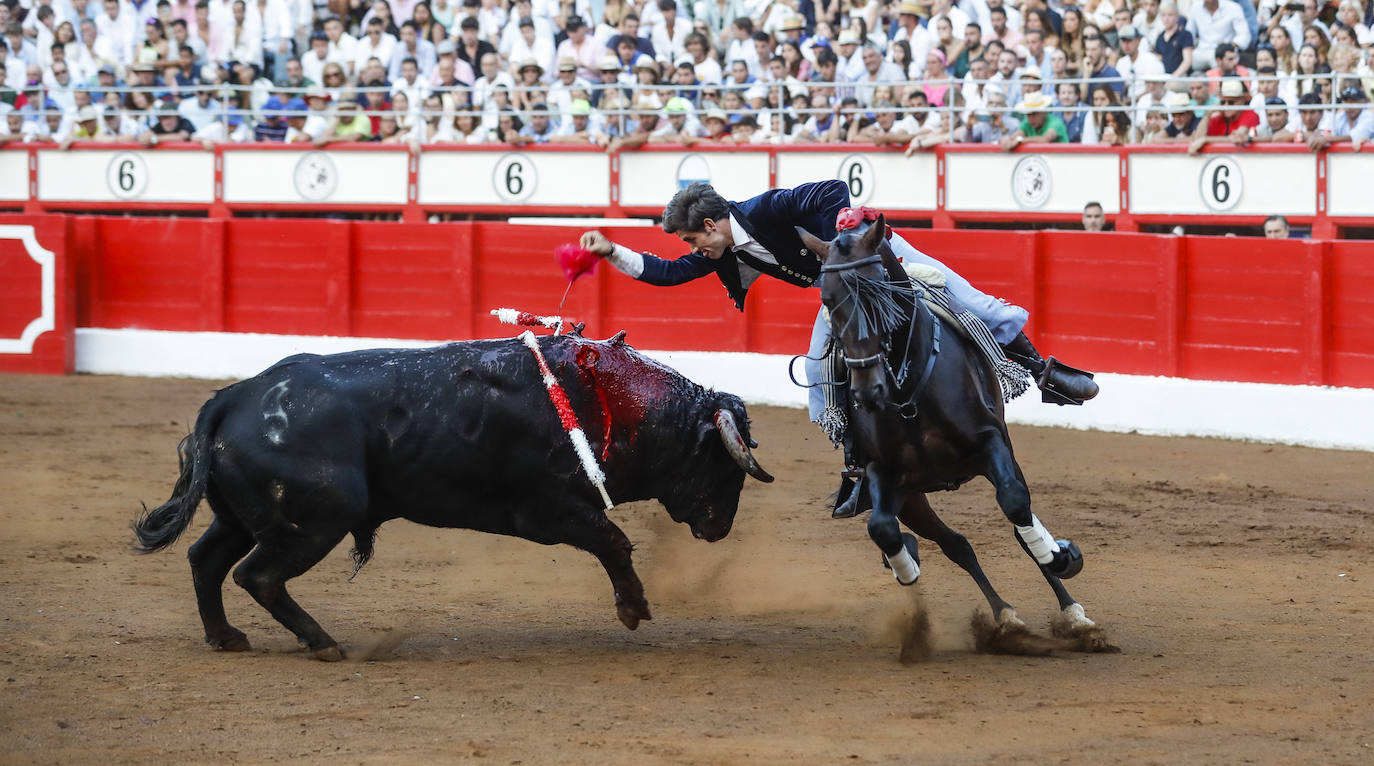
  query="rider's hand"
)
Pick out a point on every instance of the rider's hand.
point(597, 242)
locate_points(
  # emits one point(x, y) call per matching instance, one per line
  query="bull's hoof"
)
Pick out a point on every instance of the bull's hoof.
point(234, 641)
point(331, 653)
point(631, 614)
point(1067, 561)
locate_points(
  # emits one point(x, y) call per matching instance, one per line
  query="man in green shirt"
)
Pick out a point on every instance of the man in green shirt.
point(1039, 126)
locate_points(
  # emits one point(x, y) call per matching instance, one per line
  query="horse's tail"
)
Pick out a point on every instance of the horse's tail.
point(161, 527)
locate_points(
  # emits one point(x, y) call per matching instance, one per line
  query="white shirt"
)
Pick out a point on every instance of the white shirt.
point(1227, 25)
point(365, 50)
point(748, 245)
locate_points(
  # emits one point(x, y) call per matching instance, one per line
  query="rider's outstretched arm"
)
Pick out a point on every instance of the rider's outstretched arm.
point(647, 267)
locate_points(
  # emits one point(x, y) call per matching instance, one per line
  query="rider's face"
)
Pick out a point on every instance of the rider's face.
point(711, 241)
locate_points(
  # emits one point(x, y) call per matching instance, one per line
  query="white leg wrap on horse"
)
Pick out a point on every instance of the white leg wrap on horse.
point(904, 567)
point(1042, 546)
point(1075, 616)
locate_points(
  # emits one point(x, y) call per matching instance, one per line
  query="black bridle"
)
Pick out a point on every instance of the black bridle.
point(906, 409)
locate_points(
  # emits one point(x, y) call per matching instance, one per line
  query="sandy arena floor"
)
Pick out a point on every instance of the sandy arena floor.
point(1235, 577)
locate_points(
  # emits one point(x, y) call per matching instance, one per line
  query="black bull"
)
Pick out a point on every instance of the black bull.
point(462, 436)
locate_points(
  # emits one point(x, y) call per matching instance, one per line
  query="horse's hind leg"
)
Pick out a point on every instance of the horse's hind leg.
point(211, 557)
point(1059, 558)
point(918, 516)
point(899, 549)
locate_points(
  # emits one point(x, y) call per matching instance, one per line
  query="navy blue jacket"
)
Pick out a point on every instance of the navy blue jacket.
point(769, 219)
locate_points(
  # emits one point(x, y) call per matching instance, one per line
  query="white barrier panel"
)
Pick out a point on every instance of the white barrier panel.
point(515, 177)
point(126, 176)
point(1307, 415)
point(314, 177)
point(884, 180)
point(650, 179)
point(1034, 183)
point(1348, 187)
point(1223, 184)
point(14, 175)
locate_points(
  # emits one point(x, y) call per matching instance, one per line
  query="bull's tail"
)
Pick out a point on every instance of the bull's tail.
point(161, 527)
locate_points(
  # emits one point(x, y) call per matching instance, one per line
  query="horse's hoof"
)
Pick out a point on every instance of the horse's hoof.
point(1067, 561)
point(331, 653)
point(1007, 618)
point(630, 614)
point(1072, 624)
point(233, 642)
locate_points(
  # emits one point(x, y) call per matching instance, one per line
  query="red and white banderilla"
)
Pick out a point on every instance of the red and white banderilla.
point(559, 398)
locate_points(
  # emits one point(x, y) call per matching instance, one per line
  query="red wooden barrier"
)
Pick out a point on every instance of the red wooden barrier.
point(37, 296)
point(1296, 312)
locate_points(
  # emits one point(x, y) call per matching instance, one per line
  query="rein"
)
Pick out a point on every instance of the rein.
point(906, 409)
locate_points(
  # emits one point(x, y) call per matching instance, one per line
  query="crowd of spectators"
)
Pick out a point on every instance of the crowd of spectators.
point(622, 73)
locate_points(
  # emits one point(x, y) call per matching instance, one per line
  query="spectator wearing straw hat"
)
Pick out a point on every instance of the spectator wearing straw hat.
point(1234, 123)
point(646, 122)
point(909, 29)
point(609, 71)
point(567, 80)
point(1353, 123)
point(1183, 122)
point(1038, 126)
point(85, 127)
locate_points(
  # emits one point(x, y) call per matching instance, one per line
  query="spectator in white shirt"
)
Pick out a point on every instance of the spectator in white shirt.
point(1135, 63)
point(200, 111)
point(412, 47)
point(342, 46)
point(1213, 22)
point(529, 45)
point(376, 43)
point(117, 33)
point(312, 63)
point(242, 42)
point(670, 31)
point(411, 82)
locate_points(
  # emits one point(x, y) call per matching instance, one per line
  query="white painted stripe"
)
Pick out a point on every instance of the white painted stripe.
point(626, 223)
point(47, 275)
point(1306, 415)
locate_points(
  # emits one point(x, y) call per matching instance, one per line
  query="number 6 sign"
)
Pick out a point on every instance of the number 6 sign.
point(127, 175)
point(857, 172)
point(1221, 184)
point(514, 177)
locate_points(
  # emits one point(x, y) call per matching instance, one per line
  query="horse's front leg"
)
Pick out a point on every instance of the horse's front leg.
point(1060, 558)
point(899, 548)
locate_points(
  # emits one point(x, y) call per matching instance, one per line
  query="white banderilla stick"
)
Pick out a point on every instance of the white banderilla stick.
point(559, 398)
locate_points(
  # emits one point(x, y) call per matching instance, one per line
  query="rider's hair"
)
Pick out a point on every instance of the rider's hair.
point(689, 209)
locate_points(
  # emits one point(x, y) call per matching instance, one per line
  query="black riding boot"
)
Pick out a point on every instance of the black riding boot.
point(853, 498)
point(1058, 382)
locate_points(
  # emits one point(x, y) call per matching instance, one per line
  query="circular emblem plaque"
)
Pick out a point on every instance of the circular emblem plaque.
point(127, 175)
point(1220, 184)
point(1030, 182)
point(316, 176)
point(693, 169)
point(857, 171)
point(514, 178)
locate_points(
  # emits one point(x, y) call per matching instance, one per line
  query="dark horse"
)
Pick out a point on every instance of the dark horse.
point(927, 411)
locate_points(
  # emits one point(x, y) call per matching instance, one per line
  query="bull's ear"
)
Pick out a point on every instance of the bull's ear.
point(875, 236)
point(818, 247)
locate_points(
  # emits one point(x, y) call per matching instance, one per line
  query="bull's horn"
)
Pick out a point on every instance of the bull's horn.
point(736, 446)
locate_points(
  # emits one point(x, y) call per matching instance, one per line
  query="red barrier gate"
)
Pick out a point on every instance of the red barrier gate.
point(1218, 308)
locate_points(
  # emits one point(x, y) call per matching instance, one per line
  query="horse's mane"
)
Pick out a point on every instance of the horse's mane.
point(880, 305)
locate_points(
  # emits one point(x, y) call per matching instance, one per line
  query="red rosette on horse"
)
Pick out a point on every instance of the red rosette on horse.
point(851, 217)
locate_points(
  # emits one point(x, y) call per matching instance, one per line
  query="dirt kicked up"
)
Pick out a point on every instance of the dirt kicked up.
point(1236, 578)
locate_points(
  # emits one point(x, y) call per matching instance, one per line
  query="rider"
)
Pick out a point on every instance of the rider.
point(741, 241)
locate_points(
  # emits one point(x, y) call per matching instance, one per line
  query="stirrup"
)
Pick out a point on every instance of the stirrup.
point(1059, 392)
point(852, 499)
